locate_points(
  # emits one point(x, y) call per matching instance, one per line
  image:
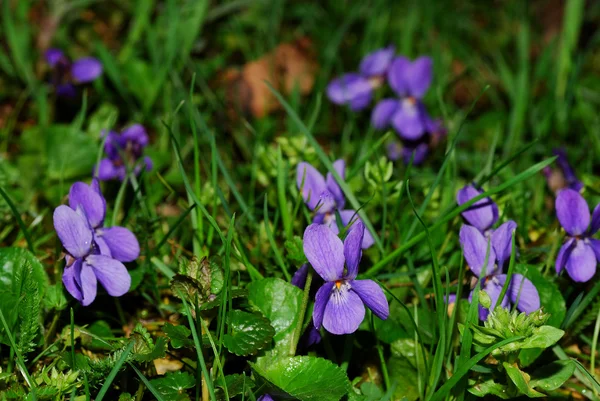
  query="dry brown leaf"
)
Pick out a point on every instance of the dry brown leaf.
point(164, 365)
point(288, 66)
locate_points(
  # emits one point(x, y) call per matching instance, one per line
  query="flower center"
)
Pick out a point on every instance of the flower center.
point(338, 283)
point(376, 81)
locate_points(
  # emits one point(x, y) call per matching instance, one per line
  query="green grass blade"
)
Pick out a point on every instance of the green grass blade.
point(15, 212)
point(113, 373)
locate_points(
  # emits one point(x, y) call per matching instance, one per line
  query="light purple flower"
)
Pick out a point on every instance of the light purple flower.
point(324, 196)
point(521, 291)
point(66, 73)
point(564, 176)
point(580, 253)
point(356, 89)
point(407, 114)
point(265, 397)
point(94, 253)
point(130, 145)
point(340, 302)
point(483, 214)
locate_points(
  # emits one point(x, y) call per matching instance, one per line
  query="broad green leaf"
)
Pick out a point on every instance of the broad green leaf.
point(305, 378)
point(174, 386)
point(23, 283)
point(70, 153)
point(542, 337)
point(410, 350)
point(102, 119)
point(521, 380)
point(101, 329)
point(55, 298)
point(280, 302)
point(145, 349)
point(551, 376)
point(371, 391)
point(248, 332)
point(236, 384)
point(405, 377)
point(490, 387)
point(179, 335)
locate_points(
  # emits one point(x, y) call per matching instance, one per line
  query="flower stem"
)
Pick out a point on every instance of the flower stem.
point(298, 330)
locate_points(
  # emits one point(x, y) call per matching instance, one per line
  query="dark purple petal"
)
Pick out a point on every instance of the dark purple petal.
point(419, 76)
point(102, 246)
point(595, 225)
point(360, 102)
point(475, 247)
point(347, 88)
point(595, 244)
point(148, 163)
point(483, 213)
point(349, 216)
point(581, 264)
point(86, 69)
point(321, 299)
point(563, 255)
point(409, 120)
point(73, 231)
point(398, 75)
point(83, 196)
point(344, 312)
point(106, 170)
point(522, 292)
point(324, 251)
point(572, 212)
point(567, 170)
point(54, 56)
point(265, 397)
point(372, 295)
point(71, 284)
point(123, 245)
point(421, 152)
point(65, 90)
point(299, 278)
point(312, 336)
point(332, 185)
point(136, 133)
point(111, 273)
point(352, 248)
point(502, 241)
point(313, 188)
point(383, 112)
point(377, 62)
point(450, 299)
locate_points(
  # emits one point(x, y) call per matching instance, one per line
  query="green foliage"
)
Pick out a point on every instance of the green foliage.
point(302, 377)
point(280, 302)
point(247, 332)
point(145, 349)
point(23, 283)
point(198, 280)
point(179, 335)
point(236, 385)
point(174, 385)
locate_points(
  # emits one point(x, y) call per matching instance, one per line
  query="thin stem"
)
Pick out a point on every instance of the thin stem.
point(298, 330)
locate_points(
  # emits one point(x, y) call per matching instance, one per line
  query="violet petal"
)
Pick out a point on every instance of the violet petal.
point(325, 252)
point(372, 295)
point(572, 212)
point(73, 231)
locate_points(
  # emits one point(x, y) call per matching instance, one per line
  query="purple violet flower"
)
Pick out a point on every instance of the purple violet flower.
point(407, 114)
point(94, 253)
point(129, 144)
point(421, 147)
point(356, 89)
point(66, 73)
point(340, 302)
point(521, 291)
point(483, 214)
point(564, 176)
point(580, 253)
point(265, 397)
point(324, 196)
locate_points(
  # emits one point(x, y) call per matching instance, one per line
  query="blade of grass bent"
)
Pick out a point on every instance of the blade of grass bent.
point(113, 373)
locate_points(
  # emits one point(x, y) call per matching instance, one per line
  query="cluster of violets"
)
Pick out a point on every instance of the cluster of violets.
point(341, 299)
point(66, 73)
point(93, 252)
point(405, 112)
point(487, 251)
point(124, 150)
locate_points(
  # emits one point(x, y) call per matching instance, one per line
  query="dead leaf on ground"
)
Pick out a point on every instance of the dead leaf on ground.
point(288, 66)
